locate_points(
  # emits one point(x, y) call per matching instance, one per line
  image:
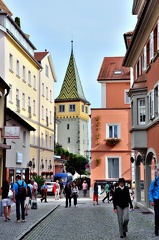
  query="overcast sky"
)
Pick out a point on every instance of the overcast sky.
point(96, 28)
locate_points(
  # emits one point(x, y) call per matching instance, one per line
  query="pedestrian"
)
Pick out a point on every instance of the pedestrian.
point(34, 189)
point(75, 193)
point(121, 202)
point(85, 188)
point(28, 197)
point(6, 201)
point(154, 200)
point(44, 192)
point(19, 196)
point(106, 190)
point(68, 194)
point(57, 189)
point(61, 187)
point(95, 194)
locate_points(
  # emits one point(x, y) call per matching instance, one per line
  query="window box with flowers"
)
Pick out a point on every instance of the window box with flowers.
point(43, 173)
point(51, 173)
point(47, 173)
point(34, 173)
point(112, 141)
point(31, 173)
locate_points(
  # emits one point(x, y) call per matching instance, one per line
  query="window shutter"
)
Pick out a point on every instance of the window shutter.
point(151, 105)
point(145, 61)
point(151, 46)
point(139, 66)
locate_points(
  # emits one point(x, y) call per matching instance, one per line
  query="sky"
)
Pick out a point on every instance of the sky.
point(96, 28)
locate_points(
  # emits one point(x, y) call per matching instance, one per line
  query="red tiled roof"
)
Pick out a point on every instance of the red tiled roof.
point(111, 65)
point(40, 55)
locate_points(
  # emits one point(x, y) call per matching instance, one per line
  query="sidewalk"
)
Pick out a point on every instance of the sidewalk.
point(13, 230)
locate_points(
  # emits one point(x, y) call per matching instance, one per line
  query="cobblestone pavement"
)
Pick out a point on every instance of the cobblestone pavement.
point(85, 222)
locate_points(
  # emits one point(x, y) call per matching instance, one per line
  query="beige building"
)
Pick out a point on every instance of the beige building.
point(31, 78)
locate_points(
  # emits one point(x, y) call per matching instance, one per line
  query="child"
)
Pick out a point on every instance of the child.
point(95, 194)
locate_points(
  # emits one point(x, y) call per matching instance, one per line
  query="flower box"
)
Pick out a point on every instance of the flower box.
point(112, 141)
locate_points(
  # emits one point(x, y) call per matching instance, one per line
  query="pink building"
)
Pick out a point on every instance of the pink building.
point(110, 124)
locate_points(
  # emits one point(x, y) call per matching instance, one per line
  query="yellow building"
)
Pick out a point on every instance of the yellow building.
point(31, 78)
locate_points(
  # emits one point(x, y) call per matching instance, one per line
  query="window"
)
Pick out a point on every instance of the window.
point(151, 46)
point(113, 167)
point(50, 96)
point(24, 138)
point(11, 61)
point(72, 108)
point(151, 105)
point(34, 107)
point(17, 68)
point(29, 78)
point(82, 108)
point(42, 139)
point(17, 98)
point(33, 137)
point(117, 72)
point(61, 108)
point(23, 100)
point(126, 97)
point(68, 126)
point(10, 93)
point(46, 139)
point(24, 73)
point(68, 140)
point(86, 109)
point(42, 109)
point(141, 111)
point(50, 142)
point(46, 92)
point(34, 82)
point(148, 52)
point(145, 59)
point(50, 117)
point(46, 70)
point(42, 89)
point(112, 131)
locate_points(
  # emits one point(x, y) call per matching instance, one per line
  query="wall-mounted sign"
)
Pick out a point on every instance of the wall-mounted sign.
point(5, 146)
point(12, 132)
point(19, 157)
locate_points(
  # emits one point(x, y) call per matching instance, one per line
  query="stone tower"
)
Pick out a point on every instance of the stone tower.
point(72, 112)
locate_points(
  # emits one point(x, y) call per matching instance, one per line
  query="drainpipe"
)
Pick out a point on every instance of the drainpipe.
point(4, 150)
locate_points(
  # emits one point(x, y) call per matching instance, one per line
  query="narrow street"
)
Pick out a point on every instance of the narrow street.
point(88, 222)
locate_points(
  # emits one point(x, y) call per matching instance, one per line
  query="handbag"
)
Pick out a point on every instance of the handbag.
point(10, 194)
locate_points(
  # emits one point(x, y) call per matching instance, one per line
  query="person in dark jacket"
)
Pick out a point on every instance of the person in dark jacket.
point(121, 202)
point(154, 200)
point(68, 194)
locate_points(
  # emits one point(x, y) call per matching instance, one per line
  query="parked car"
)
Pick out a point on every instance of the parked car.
point(50, 186)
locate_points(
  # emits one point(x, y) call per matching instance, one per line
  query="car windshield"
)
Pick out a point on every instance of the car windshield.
point(50, 183)
point(64, 179)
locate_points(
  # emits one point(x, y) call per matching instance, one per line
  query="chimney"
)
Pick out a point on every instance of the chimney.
point(17, 21)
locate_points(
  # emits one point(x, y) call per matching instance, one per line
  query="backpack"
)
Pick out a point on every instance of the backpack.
point(21, 190)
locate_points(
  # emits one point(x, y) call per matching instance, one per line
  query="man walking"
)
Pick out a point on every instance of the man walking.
point(154, 200)
point(19, 196)
point(106, 190)
point(121, 201)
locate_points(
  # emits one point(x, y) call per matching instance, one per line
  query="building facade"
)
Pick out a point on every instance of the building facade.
point(142, 56)
point(31, 78)
point(72, 112)
point(110, 124)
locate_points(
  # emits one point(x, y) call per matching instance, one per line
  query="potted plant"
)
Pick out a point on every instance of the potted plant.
point(51, 173)
point(31, 173)
point(112, 141)
point(34, 173)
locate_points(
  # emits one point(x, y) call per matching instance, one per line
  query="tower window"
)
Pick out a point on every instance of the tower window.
point(72, 108)
point(68, 126)
point(61, 108)
point(68, 140)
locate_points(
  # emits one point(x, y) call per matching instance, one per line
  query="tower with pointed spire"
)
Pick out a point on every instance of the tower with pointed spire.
point(72, 112)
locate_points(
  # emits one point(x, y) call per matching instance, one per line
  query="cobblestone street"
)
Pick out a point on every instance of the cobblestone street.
point(52, 221)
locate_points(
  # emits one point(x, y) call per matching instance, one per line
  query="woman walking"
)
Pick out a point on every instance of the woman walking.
point(95, 194)
point(6, 201)
point(75, 193)
point(68, 194)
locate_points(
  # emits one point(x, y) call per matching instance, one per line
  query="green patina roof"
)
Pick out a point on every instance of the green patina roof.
point(71, 89)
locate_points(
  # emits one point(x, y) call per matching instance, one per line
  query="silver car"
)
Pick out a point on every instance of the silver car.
point(50, 186)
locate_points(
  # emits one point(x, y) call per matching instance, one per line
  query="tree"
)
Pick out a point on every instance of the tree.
point(76, 163)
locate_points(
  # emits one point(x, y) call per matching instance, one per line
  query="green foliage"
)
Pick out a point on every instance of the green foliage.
point(40, 181)
point(76, 163)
